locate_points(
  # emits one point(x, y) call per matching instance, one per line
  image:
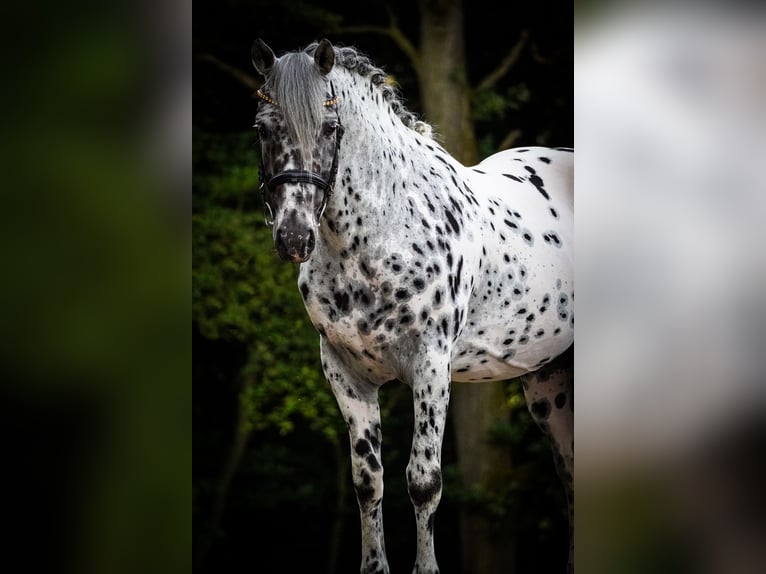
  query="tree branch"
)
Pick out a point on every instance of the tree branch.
point(509, 139)
point(537, 56)
point(508, 62)
point(393, 31)
point(246, 79)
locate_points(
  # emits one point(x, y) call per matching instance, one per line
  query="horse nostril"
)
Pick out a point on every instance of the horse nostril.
point(280, 239)
point(310, 241)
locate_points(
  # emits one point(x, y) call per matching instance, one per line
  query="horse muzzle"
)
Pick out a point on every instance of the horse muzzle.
point(294, 245)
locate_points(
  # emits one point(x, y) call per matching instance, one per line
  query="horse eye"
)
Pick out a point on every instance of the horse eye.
point(263, 131)
point(329, 129)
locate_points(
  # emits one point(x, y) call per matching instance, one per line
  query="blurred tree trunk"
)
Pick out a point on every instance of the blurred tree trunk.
point(475, 409)
point(446, 98)
point(443, 77)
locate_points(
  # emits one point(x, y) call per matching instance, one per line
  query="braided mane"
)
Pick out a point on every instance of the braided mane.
point(355, 61)
point(297, 85)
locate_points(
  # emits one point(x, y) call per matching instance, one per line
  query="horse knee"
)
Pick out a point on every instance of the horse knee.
point(368, 485)
point(424, 487)
point(368, 472)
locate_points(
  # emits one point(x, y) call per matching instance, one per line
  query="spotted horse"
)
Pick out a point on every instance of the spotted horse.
point(414, 267)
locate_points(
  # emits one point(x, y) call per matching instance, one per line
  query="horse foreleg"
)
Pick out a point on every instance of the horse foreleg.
point(549, 394)
point(430, 390)
point(358, 403)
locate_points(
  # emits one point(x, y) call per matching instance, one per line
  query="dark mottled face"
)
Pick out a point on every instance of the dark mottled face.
point(299, 128)
point(296, 204)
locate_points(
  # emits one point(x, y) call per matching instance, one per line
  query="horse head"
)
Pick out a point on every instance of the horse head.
point(300, 133)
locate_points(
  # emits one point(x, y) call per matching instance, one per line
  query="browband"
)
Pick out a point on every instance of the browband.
point(268, 99)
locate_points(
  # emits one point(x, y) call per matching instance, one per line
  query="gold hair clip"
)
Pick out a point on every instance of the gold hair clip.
point(266, 98)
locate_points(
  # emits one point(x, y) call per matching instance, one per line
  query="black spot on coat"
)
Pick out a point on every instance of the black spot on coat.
point(541, 409)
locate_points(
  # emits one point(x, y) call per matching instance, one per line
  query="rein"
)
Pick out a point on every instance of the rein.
point(268, 182)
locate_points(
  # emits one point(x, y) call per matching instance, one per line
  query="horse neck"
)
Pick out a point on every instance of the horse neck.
point(374, 136)
point(379, 164)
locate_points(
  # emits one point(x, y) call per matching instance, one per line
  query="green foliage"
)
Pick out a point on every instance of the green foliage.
point(490, 105)
point(241, 292)
point(498, 106)
point(225, 171)
point(530, 477)
point(235, 285)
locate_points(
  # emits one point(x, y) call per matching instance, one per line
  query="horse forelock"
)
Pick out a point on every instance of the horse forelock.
point(300, 89)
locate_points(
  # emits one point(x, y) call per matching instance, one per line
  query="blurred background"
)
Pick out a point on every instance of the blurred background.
point(271, 454)
point(670, 118)
point(95, 390)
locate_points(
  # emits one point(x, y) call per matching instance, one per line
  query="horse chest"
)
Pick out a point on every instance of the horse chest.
point(381, 312)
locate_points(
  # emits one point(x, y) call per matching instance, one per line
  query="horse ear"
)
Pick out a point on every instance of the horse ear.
point(262, 56)
point(324, 56)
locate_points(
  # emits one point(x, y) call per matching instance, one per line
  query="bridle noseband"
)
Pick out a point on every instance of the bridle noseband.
point(268, 182)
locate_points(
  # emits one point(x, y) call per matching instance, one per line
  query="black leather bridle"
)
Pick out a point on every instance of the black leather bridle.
point(268, 182)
